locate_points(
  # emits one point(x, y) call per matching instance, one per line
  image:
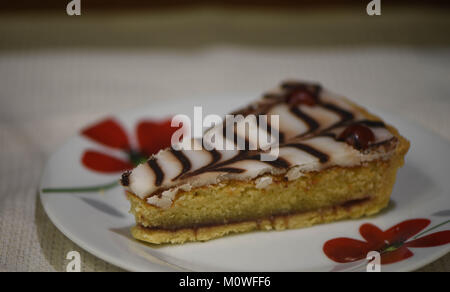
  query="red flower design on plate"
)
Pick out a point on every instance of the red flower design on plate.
point(152, 136)
point(393, 244)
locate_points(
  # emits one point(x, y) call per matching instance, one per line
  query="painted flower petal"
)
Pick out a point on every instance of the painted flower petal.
point(345, 250)
point(154, 136)
point(397, 255)
point(435, 239)
point(405, 230)
point(373, 235)
point(108, 132)
point(100, 162)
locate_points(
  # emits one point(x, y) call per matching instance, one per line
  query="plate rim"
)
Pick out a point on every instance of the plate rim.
point(157, 267)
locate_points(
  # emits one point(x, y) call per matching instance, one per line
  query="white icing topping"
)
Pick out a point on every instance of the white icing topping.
point(294, 173)
point(141, 180)
point(297, 154)
point(263, 182)
point(290, 124)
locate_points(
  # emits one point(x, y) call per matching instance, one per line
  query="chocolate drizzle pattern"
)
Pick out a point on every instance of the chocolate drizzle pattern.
point(312, 124)
point(270, 130)
point(345, 115)
point(125, 179)
point(185, 162)
point(307, 116)
point(225, 165)
point(323, 158)
point(159, 174)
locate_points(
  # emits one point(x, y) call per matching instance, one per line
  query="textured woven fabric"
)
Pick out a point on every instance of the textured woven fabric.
point(48, 94)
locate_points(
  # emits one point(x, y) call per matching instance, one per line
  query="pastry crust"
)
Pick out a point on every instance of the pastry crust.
point(330, 194)
point(380, 174)
point(281, 222)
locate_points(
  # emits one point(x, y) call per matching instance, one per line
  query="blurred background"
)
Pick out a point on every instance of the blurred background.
point(122, 54)
point(58, 73)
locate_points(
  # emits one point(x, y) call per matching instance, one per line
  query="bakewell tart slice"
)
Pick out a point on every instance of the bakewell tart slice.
point(335, 161)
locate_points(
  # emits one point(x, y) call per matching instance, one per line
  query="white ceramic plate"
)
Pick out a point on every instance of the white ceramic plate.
point(100, 222)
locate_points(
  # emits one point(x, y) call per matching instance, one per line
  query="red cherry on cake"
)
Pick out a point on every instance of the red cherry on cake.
point(301, 96)
point(358, 136)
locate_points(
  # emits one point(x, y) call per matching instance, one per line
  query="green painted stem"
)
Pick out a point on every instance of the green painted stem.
point(432, 228)
point(89, 189)
point(395, 247)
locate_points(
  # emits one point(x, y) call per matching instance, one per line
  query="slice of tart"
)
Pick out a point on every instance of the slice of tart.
point(334, 161)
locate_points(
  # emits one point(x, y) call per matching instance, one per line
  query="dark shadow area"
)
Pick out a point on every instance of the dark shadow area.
point(125, 232)
point(121, 5)
point(102, 207)
point(197, 27)
point(443, 213)
point(390, 207)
